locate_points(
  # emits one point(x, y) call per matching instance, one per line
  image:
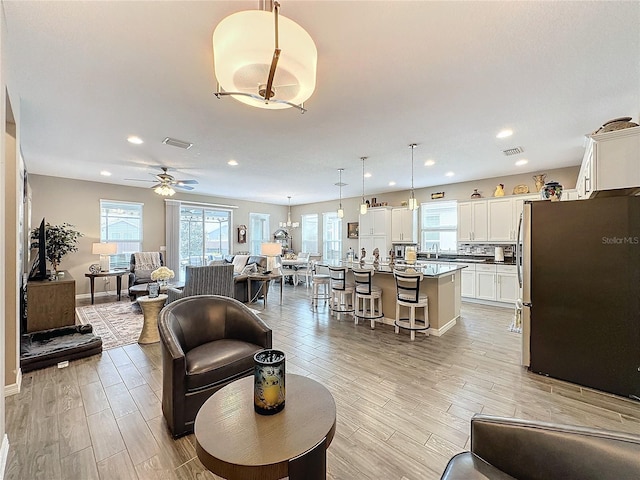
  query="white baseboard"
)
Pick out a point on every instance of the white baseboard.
point(14, 388)
point(438, 332)
point(103, 294)
point(4, 453)
point(488, 302)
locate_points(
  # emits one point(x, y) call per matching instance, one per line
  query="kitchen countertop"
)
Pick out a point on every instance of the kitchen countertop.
point(466, 259)
point(430, 269)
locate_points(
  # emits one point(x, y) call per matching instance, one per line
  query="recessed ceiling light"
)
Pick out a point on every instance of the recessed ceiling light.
point(522, 161)
point(135, 140)
point(429, 163)
point(104, 173)
point(233, 163)
point(392, 183)
point(449, 174)
point(504, 133)
point(367, 175)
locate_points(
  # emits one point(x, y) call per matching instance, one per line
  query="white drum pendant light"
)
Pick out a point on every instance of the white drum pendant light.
point(264, 60)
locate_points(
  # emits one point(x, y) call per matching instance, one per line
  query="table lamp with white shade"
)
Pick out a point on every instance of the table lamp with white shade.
point(104, 250)
point(271, 250)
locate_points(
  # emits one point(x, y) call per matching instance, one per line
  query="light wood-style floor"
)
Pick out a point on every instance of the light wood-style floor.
point(403, 407)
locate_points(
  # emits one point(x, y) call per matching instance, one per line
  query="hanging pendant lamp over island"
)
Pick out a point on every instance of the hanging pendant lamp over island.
point(340, 184)
point(413, 203)
point(363, 205)
point(264, 59)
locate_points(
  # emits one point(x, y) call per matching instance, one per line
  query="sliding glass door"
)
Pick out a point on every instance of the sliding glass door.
point(204, 235)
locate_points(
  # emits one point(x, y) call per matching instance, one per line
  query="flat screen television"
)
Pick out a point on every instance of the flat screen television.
point(38, 269)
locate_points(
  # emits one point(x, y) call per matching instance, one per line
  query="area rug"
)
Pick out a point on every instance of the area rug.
point(117, 323)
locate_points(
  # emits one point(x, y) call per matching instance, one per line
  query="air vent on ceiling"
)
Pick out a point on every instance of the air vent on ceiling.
point(177, 143)
point(513, 151)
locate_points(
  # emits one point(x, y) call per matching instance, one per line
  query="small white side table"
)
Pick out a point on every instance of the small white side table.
point(150, 309)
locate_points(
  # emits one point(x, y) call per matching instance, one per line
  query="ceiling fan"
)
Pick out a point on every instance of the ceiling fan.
point(167, 181)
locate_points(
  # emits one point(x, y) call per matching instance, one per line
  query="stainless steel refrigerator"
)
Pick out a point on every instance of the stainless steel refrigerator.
point(580, 271)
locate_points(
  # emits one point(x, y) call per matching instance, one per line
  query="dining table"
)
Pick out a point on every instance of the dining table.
point(292, 265)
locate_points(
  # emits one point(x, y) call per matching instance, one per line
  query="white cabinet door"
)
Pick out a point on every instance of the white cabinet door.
point(381, 221)
point(465, 222)
point(469, 281)
point(403, 225)
point(500, 220)
point(365, 227)
point(615, 159)
point(486, 282)
point(507, 287)
point(480, 229)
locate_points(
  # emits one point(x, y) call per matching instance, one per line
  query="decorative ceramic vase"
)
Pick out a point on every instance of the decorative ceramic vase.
point(539, 179)
point(499, 191)
point(476, 194)
point(551, 191)
point(269, 382)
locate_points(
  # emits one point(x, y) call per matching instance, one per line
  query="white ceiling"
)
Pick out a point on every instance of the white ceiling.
point(445, 75)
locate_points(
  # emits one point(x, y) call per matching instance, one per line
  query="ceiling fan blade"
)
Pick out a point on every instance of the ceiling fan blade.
point(272, 72)
point(139, 180)
point(183, 187)
point(186, 182)
point(156, 185)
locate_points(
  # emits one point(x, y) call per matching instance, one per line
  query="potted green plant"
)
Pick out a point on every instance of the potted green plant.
point(60, 240)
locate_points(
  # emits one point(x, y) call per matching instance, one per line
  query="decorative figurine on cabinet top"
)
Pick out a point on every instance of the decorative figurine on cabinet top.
point(499, 191)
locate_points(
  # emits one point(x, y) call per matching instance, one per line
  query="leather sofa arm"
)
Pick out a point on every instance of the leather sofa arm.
point(539, 450)
point(174, 361)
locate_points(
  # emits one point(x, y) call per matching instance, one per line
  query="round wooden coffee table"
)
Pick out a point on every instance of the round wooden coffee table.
point(235, 442)
point(150, 309)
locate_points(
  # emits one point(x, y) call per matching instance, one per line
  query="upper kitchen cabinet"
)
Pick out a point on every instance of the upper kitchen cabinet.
point(404, 225)
point(472, 221)
point(611, 162)
point(375, 231)
point(500, 219)
point(377, 221)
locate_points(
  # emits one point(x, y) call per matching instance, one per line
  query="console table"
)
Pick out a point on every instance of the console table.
point(51, 303)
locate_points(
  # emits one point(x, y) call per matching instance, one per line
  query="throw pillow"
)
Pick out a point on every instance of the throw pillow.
point(239, 262)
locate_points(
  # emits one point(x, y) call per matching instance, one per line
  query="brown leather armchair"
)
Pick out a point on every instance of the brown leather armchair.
point(207, 342)
point(508, 448)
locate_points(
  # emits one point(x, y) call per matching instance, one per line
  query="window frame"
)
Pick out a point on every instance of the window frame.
point(122, 258)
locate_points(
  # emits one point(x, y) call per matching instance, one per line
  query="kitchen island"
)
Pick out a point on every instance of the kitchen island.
point(442, 283)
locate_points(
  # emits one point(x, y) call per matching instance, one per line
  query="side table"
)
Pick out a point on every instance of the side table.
point(264, 280)
point(111, 273)
point(150, 309)
point(236, 443)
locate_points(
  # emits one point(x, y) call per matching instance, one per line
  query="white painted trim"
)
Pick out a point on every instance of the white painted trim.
point(14, 388)
point(438, 332)
point(488, 302)
point(109, 293)
point(4, 453)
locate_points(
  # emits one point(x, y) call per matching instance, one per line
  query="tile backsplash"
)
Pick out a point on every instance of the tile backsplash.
point(484, 249)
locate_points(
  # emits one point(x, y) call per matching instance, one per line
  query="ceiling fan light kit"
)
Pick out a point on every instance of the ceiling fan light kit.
point(165, 190)
point(249, 68)
point(166, 182)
